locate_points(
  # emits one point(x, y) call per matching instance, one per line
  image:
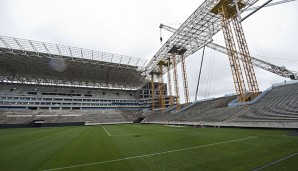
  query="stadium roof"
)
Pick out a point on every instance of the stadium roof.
point(34, 62)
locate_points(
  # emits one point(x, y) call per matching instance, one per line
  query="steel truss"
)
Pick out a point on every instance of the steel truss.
point(176, 85)
point(193, 34)
point(161, 89)
point(33, 62)
point(170, 82)
point(234, 61)
point(185, 81)
point(278, 70)
point(229, 11)
point(152, 91)
point(247, 64)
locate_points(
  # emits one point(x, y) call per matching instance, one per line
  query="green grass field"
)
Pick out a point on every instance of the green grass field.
point(145, 147)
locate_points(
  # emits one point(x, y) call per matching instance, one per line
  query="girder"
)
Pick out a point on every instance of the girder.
point(152, 92)
point(170, 83)
point(193, 34)
point(247, 63)
point(233, 59)
point(229, 11)
point(185, 81)
point(176, 85)
point(161, 89)
point(278, 70)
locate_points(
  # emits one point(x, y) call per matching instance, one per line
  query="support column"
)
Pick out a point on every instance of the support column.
point(233, 59)
point(229, 12)
point(185, 82)
point(161, 89)
point(247, 63)
point(152, 92)
point(176, 85)
point(170, 83)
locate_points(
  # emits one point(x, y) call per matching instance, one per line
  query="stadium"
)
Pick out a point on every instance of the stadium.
point(69, 108)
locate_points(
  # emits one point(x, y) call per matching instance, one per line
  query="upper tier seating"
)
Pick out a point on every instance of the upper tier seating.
point(279, 104)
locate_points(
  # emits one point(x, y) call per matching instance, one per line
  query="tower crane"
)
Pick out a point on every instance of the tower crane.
point(278, 70)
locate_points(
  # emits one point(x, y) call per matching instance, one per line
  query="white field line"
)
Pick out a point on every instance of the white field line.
point(280, 160)
point(117, 135)
point(144, 127)
point(175, 126)
point(148, 155)
point(156, 129)
point(106, 131)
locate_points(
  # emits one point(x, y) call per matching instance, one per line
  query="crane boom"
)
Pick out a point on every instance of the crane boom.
point(278, 70)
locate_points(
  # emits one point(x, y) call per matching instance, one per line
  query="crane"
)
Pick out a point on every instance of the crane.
point(197, 31)
point(278, 70)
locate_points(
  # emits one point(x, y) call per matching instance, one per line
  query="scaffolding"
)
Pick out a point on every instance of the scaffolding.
point(176, 85)
point(161, 88)
point(170, 83)
point(185, 82)
point(229, 11)
point(152, 91)
point(247, 62)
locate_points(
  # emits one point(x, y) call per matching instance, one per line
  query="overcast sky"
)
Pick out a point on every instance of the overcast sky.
point(131, 28)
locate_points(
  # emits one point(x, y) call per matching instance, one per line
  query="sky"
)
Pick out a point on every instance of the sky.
point(131, 28)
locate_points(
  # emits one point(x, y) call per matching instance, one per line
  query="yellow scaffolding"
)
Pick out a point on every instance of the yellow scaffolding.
point(229, 12)
point(185, 82)
point(176, 85)
point(170, 83)
point(161, 86)
point(247, 64)
point(152, 91)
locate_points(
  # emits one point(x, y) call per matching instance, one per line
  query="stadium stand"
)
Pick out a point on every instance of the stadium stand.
point(25, 105)
point(197, 111)
point(24, 118)
point(279, 105)
point(44, 84)
point(51, 97)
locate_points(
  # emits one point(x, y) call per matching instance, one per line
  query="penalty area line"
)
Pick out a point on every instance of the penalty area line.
point(106, 131)
point(149, 155)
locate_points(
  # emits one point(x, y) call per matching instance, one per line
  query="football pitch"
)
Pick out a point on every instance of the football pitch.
point(147, 147)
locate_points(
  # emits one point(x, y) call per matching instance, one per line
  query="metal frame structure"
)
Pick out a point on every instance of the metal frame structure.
point(34, 62)
point(234, 61)
point(170, 83)
point(278, 70)
point(161, 88)
point(197, 31)
point(176, 85)
point(229, 12)
point(193, 34)
point(152, 92)
point(185, 81)
point(243, 48)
